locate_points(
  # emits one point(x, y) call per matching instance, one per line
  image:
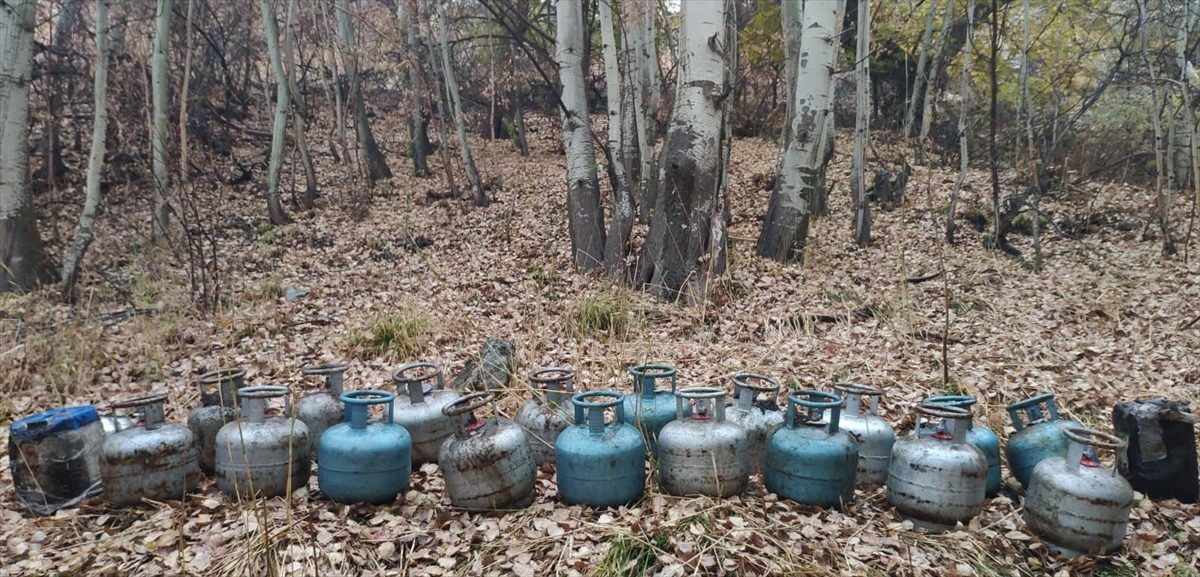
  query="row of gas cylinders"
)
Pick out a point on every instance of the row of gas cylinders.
point(815, 451)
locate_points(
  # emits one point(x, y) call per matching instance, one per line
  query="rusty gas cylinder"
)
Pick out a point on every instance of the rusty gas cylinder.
point(151, 460)
point(939, 480)
point(486, 464)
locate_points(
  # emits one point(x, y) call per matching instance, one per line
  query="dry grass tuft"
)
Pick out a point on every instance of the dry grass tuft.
point(398, 336)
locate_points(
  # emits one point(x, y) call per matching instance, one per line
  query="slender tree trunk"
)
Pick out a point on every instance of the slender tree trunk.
point(968, 56)
point(1189, 124)
point(477, 192)
point(335, 87)
point(862, 120)
point(675, 261)
point(998, 228)
point(620, 226)
point(184, 94)
point(820, 204)
point(64, 27)
point(408, 12)
point(638, 17)
point(371, 154)
point(518, 119)
point(442, 108)
point(792, 14)
point(931, 84)
point(87, 219)
point(585, 218)
point(785, 228)
point(160, 73)
point(279, 131)
point(918, 89)
point(299, 127)
point(1035, 194)
point(1163, 192)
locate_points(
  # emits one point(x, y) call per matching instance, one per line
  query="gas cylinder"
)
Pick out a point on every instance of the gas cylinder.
point(486, 464)
point(151, 460)
point(421, 396)
point(600, 464)
point(363, 461)
point(217, 407)
point(114, 423)
point(322, 409)
point(648, 408)
point(982, 437)
point(939, 480)
point(1076, 504)
point(874, 435)
point(810, 460)
point(259, 455)
point(543, 419)
point(702, 453)
point(756, 409)
point(1039, 435)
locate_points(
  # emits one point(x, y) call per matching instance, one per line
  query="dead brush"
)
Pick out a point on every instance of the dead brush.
point(607, 313)
point(401, 335)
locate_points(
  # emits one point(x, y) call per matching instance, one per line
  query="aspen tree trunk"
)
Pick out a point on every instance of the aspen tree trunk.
point(160, 80)
point(968, 56)
point(279, 131)
point(931, 84)
point(862, 119)
point(638, 16)
point(87, 218)
point(464, 148)
point(64, 26)
point(621, 212)
point(408, 14)
point(785, 228)
point(998, 228)
point(299, 127)
point(1164, 193)
point(675, 261)
point(183, 94)
point(820, 204)
point(442, 105)
point(335, 87)
point(585, 218)
point(1189, 123)
point(910, 111)
point(792, 13)
point(372, 156)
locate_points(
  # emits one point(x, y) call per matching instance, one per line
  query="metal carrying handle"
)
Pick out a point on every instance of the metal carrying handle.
point(748, 385)
point(954, 415)
point(1082, 438)
point(151, 408)
point(254, 401)
point(965, 401)
point(1032, 407)
point(816, 408)
point(227, 382)
point(334, 374)
point(358, 405)
point(854, 392)
point(222, 376)
point(652, 373)
point(468, 404)
point(413, 384)
point(557, 382)
point(592, 412)
point(702, 396)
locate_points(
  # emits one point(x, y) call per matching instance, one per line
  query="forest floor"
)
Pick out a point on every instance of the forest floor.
point(1105, 321)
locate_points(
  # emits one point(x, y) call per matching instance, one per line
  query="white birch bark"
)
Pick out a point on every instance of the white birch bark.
point(621, 217)
point(792, 14)
point(785, 228)
point(922, 64)
point(73, 262)
point(279, 129)
point(160, 81)
point(862, 119)
point(464, 148)
point(585, 220)
point(1163, 192)
point(931, 83)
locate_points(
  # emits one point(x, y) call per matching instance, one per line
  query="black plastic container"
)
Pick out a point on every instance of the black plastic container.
point(1161, 459)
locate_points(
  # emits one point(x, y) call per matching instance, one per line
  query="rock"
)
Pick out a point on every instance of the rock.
point(491, 371)
point(294, 293)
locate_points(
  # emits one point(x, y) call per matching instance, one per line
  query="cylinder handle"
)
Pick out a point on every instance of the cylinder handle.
point(644, 375)
point(591, 412)
point(413, 376)
point(358, 405)
point(709, 400)
point(151, 408)
point(854, 392)
point(816, 402)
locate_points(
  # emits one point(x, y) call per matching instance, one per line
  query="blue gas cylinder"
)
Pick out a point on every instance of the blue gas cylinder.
point(978, 435)
point(648, 408)
point(600, 464)
point(809, 460)
point(1039, 435)
point(360, 461)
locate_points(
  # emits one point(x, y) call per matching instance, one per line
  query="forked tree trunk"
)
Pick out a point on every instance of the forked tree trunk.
point(931, 84)
point(862, 121)
point(64, 27)
point(1163, 192)
point(419, 139)
point(371, 154)
point(464, 147)
point(918, 89)
point(675, 261)
point(585, 219)
point(442, 106)
point(638, 21)
point(299, 125)
point(785, 228)
point(279, 130)
point(160, 80)
point(616, 246)
point(968, 56)
point(87, 218)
